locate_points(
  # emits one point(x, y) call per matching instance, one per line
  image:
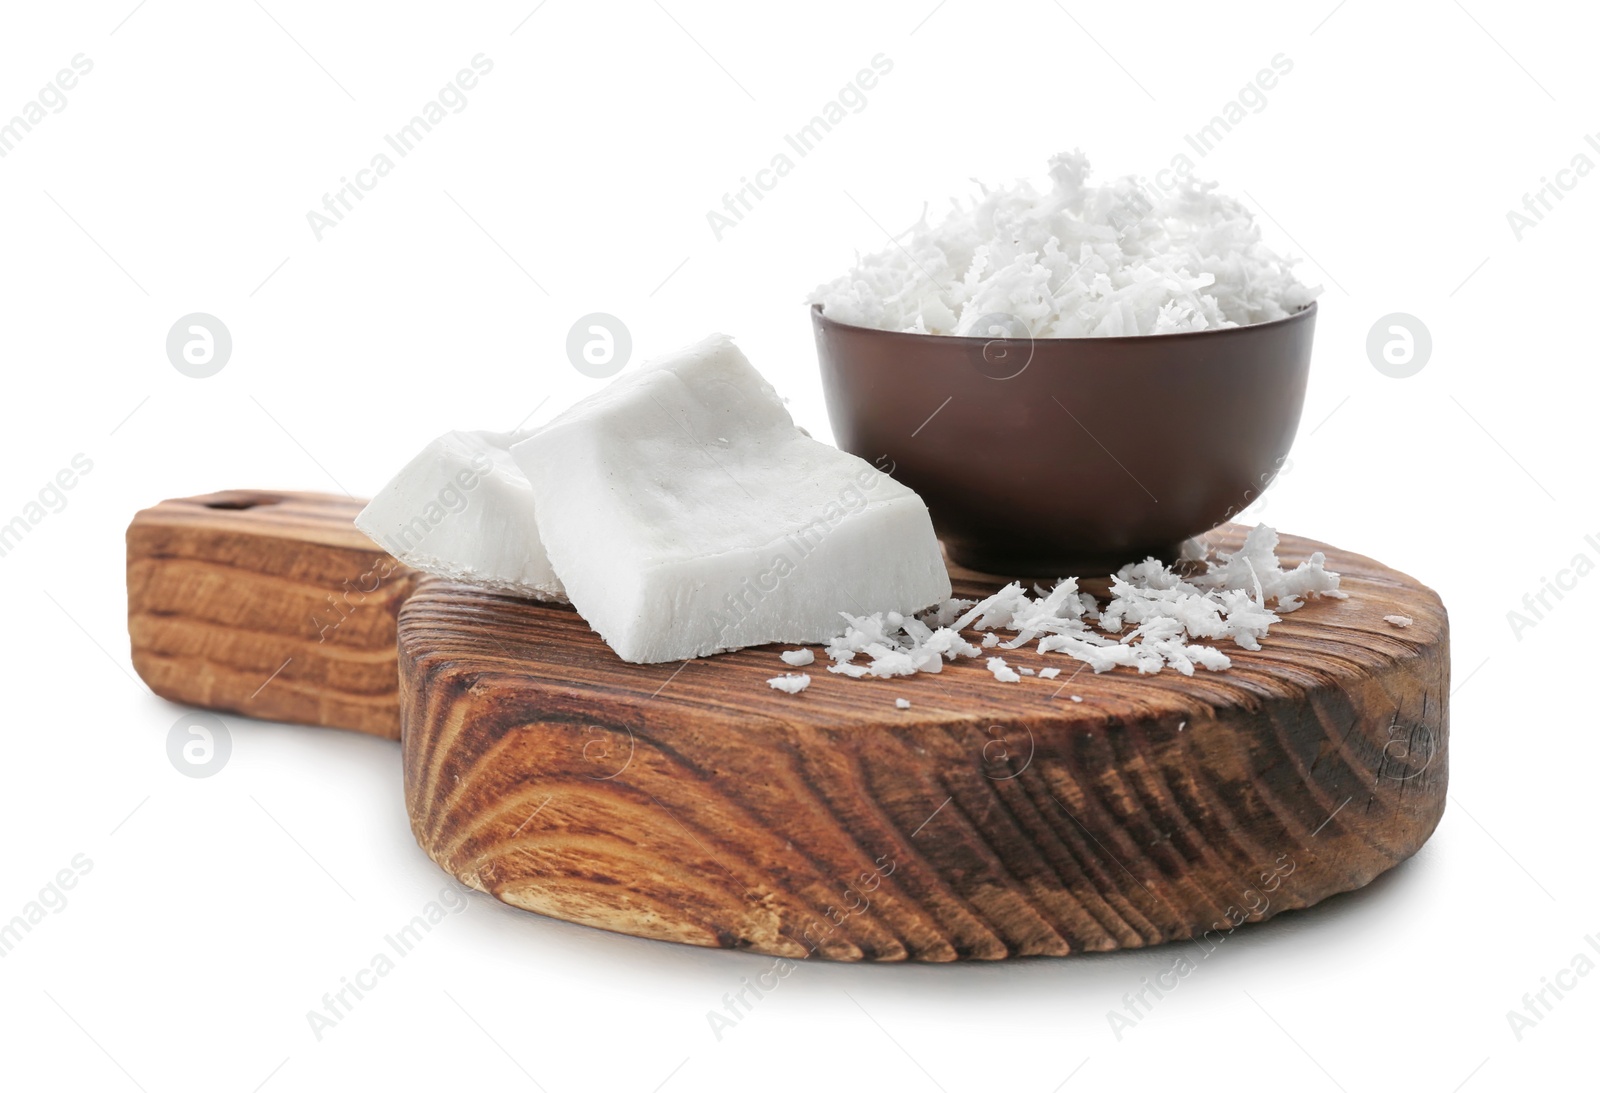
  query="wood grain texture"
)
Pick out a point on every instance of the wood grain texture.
point(693, 803)
point(267, 604)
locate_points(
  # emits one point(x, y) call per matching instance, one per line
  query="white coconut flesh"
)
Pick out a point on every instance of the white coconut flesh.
point(686, 514)
point(462, 509)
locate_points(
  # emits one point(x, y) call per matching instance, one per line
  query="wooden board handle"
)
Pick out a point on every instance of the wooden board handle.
point(270, 604)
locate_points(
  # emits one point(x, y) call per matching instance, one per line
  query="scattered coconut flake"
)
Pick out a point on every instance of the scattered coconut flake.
point(1077, 698)
point(1255, 567)
point(1156, 619)
point(902, 703)
point(790, 684)
point(1078, 260)
point(997, 666)
point(1025, 671)
point(947, 612)
point(1402, 621)
point(797, 658)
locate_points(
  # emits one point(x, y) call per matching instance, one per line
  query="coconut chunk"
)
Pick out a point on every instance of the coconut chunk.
point(790, 684)
point(463, 509)
point(686, 514)
point(797, 658)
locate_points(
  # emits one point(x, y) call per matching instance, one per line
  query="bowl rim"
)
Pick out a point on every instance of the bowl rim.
point(1304, 314)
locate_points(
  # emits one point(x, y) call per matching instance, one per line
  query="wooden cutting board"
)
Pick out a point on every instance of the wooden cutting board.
point(691, 802)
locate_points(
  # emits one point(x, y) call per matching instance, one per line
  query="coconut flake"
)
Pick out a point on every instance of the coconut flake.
point(997, 666)
point(790, 684)
point(797, 658)
point(1402, 621)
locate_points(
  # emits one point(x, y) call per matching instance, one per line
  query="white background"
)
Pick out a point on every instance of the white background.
point(178, 178)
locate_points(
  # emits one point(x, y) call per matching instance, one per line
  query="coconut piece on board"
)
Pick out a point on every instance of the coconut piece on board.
point(687, 514)
point(462, 509)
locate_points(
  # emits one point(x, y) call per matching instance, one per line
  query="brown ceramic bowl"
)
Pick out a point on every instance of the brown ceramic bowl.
point(1070, 455)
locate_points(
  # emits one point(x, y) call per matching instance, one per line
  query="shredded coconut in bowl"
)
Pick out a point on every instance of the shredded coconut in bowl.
point(1074, 261)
